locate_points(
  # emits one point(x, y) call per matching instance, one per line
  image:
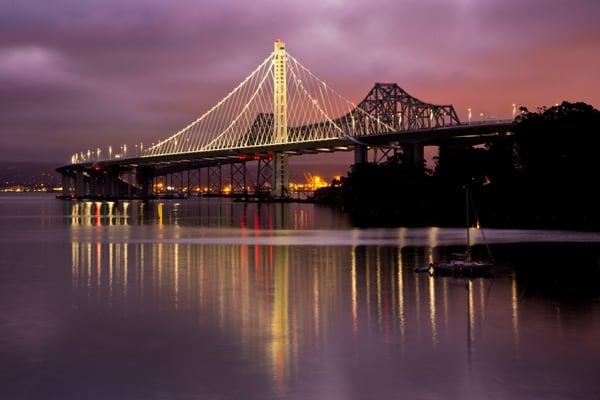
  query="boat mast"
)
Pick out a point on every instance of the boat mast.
point(467, 223)
point(487, 246)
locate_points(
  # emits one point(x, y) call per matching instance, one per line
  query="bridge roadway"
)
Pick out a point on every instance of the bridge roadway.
point(412, 141)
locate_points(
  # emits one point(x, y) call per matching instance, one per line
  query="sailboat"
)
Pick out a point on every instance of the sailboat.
point(464, 263)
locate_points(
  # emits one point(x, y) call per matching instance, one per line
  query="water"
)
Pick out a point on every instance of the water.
point(209, 299)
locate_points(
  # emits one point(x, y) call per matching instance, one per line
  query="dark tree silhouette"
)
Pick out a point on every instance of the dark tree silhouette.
point(544, 175)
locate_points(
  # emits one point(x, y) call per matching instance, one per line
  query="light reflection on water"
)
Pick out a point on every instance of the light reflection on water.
point(285, 224)
point(279, 301)
point(212, 299)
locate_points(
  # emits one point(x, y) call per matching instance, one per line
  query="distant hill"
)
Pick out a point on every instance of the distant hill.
point(28, 174)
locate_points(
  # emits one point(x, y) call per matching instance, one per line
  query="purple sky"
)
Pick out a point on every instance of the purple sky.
point(78, 74)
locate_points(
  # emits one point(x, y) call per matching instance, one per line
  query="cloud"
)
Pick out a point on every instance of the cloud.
point(75, 74)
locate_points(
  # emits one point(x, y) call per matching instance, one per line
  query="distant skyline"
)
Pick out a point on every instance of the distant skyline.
point(80, 74)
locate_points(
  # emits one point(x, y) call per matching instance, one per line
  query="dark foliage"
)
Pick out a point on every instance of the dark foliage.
point(543, 175)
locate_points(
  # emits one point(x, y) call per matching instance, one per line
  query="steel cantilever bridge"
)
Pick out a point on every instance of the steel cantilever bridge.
point(280, 110)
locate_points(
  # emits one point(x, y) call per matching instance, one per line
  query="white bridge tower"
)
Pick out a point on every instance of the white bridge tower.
point(280, 127)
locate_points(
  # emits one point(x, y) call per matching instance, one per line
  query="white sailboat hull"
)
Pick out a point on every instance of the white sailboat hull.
point(463, 266)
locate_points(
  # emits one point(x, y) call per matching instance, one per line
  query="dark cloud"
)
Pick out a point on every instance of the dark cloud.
point(75, 74)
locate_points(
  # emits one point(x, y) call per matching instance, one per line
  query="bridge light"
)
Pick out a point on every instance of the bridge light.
point(470, 115)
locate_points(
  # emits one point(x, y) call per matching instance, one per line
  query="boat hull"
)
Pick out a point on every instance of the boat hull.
point(466, 268)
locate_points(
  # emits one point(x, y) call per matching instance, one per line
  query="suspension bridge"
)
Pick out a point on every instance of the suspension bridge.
point(281, 109)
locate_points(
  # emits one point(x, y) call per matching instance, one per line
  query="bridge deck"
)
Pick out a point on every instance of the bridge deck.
point(476, 133)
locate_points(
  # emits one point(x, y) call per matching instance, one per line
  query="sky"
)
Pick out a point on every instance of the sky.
point(78, 74)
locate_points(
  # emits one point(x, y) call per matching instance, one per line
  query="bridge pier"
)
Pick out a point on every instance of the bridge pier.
point(264, 176)
point(109, 186)
point(66, 185)
point(129, 186)
point(199, 182)
point(94, 184)
point(415, 153)
point(145, 183)
point(361, 153)
point(238, 178)
point(281, 176)
point(80, 185)
point(214, 179)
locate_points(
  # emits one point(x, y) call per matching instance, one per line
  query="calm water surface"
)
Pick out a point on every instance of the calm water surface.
point(209, 299)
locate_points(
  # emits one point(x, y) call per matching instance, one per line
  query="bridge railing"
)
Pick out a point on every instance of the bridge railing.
point(488, 122)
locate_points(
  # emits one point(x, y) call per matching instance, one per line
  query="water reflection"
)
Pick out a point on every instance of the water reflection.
point(202, 212)
point(211, 299)
point(515, 312)
point(281, 302)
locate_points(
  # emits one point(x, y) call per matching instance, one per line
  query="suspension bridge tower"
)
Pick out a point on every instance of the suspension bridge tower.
point(280, 127)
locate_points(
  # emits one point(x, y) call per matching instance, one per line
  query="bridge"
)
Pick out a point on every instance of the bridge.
point(281, 109)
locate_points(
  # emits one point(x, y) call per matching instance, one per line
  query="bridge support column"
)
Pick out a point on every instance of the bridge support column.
point(94, 179)
point(415, 152)
point(80, 185)
point(264, 176)
point(199, 182)
point(145, 184)
point(110, 186)
point(361, 154)
point(113, 185)
point(281, 176)
point(238, 178)
point(214, 179)
point(66, 185)
point(187, 182)
point(129, 185)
